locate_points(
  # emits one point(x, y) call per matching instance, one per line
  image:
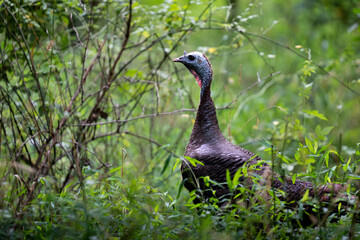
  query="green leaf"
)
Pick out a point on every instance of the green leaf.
point(228, 179)
point(166, 163)
point(315, 113)
point(356, 10)
point(345, 167)
point(316, 145)
point(245, 170)
point(156, 209)
point(326, 130)
point(326, 178)
point(309, 145)
point(180, 189)
point(306, 196)
point(319, 133)
point(206, 180)
point(323, 148)
point(176, 163)
point(353, 176)
point(327, 159)
point(266, 143)
point(133, 73)
point(294, 178)
point(283, 158)
point(115, 169)
point(237, 175)
point(193, 161)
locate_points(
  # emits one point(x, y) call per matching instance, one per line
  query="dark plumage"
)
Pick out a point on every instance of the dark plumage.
point(209, 146)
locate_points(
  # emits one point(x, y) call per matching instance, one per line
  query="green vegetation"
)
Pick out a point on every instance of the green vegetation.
point(94, 116)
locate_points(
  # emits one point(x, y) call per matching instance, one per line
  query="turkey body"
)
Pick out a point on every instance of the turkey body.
point(217, 155)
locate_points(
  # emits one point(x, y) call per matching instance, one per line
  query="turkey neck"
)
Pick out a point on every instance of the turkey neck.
point(206, 128)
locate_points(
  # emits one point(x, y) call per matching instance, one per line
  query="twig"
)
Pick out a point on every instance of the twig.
point(112, 76)
point(250, 87)
point(134, 118)
point(255, 115)
point(75, 30)
point(258, 52)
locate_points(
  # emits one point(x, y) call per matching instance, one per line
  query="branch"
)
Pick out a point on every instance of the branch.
point(134, 118)
point(112, 74)
point(249, 88)
point(134, 135)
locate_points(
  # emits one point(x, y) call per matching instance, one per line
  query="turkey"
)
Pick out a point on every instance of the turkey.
point(217, 155)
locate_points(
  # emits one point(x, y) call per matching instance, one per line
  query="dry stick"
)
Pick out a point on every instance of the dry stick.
point(149, 140)
point(68, 109)
point(33, 116)
point(154, 72)
point(255, 115)
point(83, 80)
point(258, 52)
point(135, 118)
point(12, 113)
point(66, 178)
point(86, 149)
point(185, 31)
point(76, 109)
point(53, 140)
point(166, 56)
point(131, 134)
point(250, 87)
point(24, 143)
point(8, 101)
point(30, 63)
point(85, 52)
point(75, 30)
point(17, 175)
point(111, 76)
point(165, 113)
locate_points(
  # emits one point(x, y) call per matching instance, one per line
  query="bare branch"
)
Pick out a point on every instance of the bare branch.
point(249, 88)
point(134, 118)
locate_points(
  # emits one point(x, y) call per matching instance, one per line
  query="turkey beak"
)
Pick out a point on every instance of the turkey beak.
point(179, 59)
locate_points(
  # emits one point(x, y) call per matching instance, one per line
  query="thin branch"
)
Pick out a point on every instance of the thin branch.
point(134, 135)
point(258, 52)
point(112, 76)
point(75, 30)
point(255, 115)
point(249, 88)
point(134, 118)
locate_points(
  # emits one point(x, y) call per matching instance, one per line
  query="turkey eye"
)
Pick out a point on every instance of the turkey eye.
point(191, 58)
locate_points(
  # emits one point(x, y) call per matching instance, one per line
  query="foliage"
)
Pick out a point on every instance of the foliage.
point(95, 117)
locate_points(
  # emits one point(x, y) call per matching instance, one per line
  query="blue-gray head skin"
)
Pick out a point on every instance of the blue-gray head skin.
point(198, 64)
